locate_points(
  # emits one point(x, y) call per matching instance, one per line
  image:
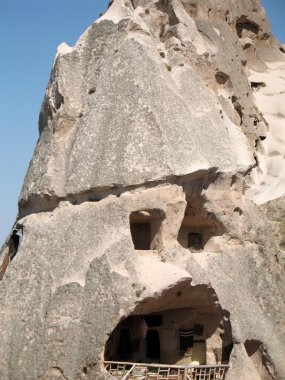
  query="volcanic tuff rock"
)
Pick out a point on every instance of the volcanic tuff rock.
point(168, 114)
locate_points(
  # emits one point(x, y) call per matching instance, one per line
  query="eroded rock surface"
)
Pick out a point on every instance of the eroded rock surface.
point(155, 191)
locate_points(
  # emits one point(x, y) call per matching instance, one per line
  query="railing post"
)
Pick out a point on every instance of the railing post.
point(128, 373)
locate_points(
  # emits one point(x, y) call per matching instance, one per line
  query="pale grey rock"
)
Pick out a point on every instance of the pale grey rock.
point(174, 124)
point(247, 371)
point(150, 114)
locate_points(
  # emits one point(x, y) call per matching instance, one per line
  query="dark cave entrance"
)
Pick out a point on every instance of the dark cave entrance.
point(183, 326)
point(153, 345)
point(198, 226)
point(145, 226)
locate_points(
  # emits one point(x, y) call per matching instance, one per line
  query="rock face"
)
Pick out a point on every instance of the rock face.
point(146, 204)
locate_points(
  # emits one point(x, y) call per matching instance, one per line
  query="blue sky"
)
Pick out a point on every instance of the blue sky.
point(30, 32)
point(276, 11)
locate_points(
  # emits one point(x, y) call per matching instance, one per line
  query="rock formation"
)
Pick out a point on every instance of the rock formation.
point(156, 192)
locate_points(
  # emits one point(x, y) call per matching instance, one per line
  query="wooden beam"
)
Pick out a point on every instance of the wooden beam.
point(128, 373)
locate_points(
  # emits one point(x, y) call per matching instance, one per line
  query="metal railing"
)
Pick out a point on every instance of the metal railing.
point(144, 371)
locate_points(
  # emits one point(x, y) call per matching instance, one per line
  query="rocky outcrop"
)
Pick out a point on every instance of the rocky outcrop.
point(143, 195)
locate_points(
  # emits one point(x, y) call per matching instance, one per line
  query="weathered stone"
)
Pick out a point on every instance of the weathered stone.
point(139, 197)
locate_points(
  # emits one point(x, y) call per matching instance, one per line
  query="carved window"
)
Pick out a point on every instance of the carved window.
point(186, 338)
point(195, 241)
point(145, 226)
point(141, 235)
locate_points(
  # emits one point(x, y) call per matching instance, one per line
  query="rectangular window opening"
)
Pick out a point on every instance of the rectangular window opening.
point(141, 235)
point(186, 339)
point(144, 226)
point(195, 241)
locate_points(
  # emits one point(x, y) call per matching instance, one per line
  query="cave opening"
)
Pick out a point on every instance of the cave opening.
point(198, 227)
point(153, 345)
point(189, 329)
point(145, 226)
point(246, 28)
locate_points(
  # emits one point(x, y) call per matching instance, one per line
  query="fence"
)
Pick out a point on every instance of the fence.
point(143, 371)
